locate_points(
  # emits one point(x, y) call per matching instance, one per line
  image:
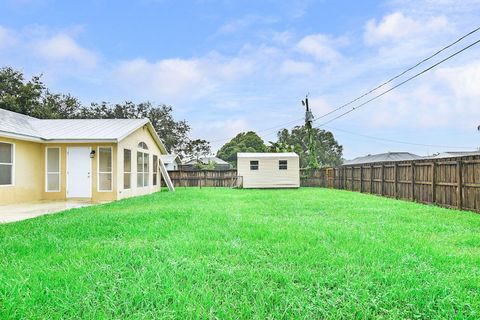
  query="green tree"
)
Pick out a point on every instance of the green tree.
point(197, 148)
point(174, 134)
point(243, 142)
point(280, 147)
point(329, 152)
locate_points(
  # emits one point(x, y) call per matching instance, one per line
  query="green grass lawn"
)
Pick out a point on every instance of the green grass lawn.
point(221, 253)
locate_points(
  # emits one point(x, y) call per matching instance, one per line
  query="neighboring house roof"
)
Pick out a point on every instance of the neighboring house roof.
point(20, 126)
point(267, 155)
point(454, 154)
point(170, 158)
point(384, 157)
point(206, 160)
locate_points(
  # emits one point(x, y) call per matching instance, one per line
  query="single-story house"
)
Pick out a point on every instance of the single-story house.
point(192, 164)
point(269, 170)
point(171, 161)
point(96, 160)
point(383, 157)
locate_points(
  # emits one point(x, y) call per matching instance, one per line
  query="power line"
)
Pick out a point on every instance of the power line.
point(397, 141)
point(401, 83)
point(378, 87)
point(399, 75)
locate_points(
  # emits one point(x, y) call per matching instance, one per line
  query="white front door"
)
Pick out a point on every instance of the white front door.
point(79, 169)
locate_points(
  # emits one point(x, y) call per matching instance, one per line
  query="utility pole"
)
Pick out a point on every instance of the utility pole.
point(312, 154)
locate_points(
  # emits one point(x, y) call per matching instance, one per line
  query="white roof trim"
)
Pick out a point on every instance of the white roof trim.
point(18, 136)
point(275, 155)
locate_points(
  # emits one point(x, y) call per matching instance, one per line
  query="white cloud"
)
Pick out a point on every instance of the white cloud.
point(319, 105)
point(397, 26)
point(220, 129)
point(292, 67)
point(464, 80)
point(243, 23)
point(62, 48)
point(7, 38)
point(163, 79)
point(321, 47)
point(180, 79)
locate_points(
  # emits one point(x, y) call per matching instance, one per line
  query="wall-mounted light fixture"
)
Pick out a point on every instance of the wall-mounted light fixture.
point(92, 154)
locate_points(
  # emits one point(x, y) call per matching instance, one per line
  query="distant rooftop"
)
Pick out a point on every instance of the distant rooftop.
point(454, 154)
point(206, 160)
point(384, 157)
point(170, 158)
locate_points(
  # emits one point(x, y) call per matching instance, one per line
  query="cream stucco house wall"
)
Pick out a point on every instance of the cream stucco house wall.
point(97, 160)
point(269, 170)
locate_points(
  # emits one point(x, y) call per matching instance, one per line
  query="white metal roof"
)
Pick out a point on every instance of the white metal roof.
point(454, 154)
point(206, 160)
point(267, 155)
point(16, 123)
point(384, 157)
point(22, 126)
point(103, 129)
point(170, 158)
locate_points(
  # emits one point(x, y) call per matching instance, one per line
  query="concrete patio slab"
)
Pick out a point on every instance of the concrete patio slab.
point(22, 211)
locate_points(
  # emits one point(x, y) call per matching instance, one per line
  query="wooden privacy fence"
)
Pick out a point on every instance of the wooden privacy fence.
point(451, 182)
point(205, 178)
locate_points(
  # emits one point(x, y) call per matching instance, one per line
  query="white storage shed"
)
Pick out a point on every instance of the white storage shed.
point(269, 170)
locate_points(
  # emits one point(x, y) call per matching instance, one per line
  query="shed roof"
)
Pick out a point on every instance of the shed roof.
point(384, 157)
point(267, 155)
point(24, 127)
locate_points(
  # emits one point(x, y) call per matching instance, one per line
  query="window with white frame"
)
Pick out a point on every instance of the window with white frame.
point(52, 169)
point(7, 164)
point(282, 164)
point(105, 170)
point(143, 165)
point(142, 145)
point(127, 168)
point(254, 165)
point(155, 169)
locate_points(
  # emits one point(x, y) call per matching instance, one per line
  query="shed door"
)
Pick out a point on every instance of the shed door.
point(79, 168)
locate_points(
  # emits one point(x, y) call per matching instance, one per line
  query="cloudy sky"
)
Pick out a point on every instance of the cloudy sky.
point(229, 66)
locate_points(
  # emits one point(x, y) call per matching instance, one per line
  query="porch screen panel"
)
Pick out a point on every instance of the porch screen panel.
point(105, 169)
point(155, 170)
point(146, 169)
point(127, 168)
point(53, 169)
point(139, 169)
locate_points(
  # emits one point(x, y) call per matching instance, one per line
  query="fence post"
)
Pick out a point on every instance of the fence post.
point(333, 178)
point(395, 178)
point(351, 184)
point(459, 185)
point(434, 182)
point(413, 180)
point(361, 178)
point(371, 178)
point(382, 180)
point(344, 178)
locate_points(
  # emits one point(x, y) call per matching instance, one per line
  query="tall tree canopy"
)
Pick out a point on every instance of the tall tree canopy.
point(329, 152)
point(32, 97)
point(243, 142)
